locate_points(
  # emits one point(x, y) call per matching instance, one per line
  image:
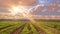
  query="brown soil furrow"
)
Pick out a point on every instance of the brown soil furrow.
point(30, 30)
point(38, 29)
point(18, 30)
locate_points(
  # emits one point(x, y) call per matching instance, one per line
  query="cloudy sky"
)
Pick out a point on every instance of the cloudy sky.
point(51, 7)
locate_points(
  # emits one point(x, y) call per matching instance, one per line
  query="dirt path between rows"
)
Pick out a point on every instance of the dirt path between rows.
point(30, 29)
point(38, 29)
point(18, 30)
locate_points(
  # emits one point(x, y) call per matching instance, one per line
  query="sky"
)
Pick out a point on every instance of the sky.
point(48, 7)
point(5, 4)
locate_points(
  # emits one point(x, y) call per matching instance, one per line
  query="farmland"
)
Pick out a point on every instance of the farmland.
point(27, 27)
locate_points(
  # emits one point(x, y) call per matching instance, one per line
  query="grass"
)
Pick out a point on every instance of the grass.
point(25, 30)
point(49, 27)
point(7, 30)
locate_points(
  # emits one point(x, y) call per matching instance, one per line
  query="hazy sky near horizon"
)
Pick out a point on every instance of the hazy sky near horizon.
point(5, 4)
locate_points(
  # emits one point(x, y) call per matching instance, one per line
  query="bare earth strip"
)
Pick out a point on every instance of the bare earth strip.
point(30, 30)
point(18, 30)
point(38, 29)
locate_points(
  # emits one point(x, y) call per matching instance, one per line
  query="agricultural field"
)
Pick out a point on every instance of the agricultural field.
point(27, 27)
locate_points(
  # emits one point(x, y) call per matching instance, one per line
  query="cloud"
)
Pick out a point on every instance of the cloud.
point(8, 3)
point(16, 2)
point(2, 9)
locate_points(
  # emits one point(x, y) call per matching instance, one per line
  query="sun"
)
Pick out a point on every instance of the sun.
point(18, 9)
